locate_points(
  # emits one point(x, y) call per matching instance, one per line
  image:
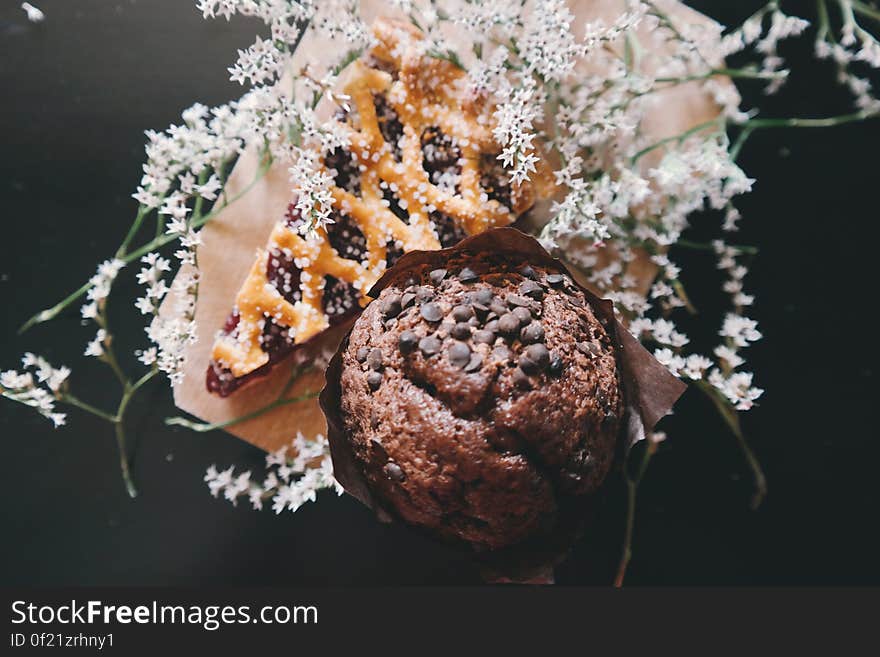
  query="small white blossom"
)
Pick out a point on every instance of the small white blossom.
point(34, 15)
point(289, 482)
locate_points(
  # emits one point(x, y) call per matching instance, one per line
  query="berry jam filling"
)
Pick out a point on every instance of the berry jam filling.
point(346, 237)
point(389, 124)
point(394, 252)
point(495, 181)
point(344, 169)
point(339, 300)
point(448, 231)
point(284, 275)
point(440, 153)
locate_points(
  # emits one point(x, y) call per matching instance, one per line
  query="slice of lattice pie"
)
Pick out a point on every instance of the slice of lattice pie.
point(421, 173)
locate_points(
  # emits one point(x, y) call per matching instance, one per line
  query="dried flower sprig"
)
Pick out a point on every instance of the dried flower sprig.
point(291, 480)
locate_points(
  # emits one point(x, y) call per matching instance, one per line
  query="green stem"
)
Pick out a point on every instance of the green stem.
point(677, 138)
point(740, 73)
point(67, 398)
point(160, 241)
point(827, 122)
point(702, 246)
point(202, 427)
point(731, 418)
point(123, 461)
point(740, 142)
point(119, 427)
point(143, 211)
point(865, 9)
point(678, 286)
point(632, 488)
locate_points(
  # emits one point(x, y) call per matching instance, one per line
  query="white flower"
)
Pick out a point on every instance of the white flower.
point(695, 366)
point(34, 15)
point(311, 185)
point(672, 361)
point(737, 388)
point(96, 346)
point(741, 330)
point(729, 356)
point(39, 389)
point(290, 483)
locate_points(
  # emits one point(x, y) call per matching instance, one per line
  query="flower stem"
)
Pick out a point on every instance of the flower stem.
point(123, 461)
point(202, 427)
point(632, 488)
point(160, 241)
point(67, 398)
point(826, 122)
point(731, 418)
point(143, 211)
point(678, 138)
point(119, 427)
point(866, 9)
point(705, 246)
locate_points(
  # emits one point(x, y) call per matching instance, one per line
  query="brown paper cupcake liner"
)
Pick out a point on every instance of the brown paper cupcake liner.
point(649, 391)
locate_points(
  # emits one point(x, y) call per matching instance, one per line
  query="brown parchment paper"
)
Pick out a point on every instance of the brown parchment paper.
point(232, 237)
point(649, 389)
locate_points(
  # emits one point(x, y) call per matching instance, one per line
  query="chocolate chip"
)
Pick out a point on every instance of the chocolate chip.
point(362, 354)
point(424, 294)
point(437, 275)
point(483, 296)
point(407, 342)
point(531, 289)
point(432, 312)
point(497, 307)
point(556, 365)
point(462, 313)
point(534, 332)
point(555, 279)
point(430, 345)
point(475, 363)
point(528, 272)
point(587, 348)
point(407, 300)
point(501, 353)
point(508, 324)
point(523, 315)
point(461, 331)
point(491, 326)
point(391, 305)
point(484, 337)
point(459, 354)
point(390, 323)
point(516, 300)
point(529, 366)
point(481, 311)
point(521, 380)
point(374, 360)
point(467, 275)
point(539, 354)
point(374, 380)
point(394, 471)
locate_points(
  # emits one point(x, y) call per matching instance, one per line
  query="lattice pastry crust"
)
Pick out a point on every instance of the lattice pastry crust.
point(438, 182)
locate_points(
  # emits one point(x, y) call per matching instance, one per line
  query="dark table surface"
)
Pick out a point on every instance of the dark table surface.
point(80, 89)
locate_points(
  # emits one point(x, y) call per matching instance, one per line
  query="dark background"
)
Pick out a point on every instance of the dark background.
point(79, 90)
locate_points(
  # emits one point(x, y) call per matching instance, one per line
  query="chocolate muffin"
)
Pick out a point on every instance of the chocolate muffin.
point(479, 398)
